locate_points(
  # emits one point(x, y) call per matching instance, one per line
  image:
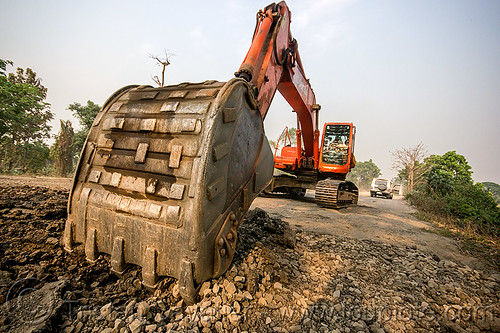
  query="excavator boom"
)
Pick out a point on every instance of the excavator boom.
point(273, 63)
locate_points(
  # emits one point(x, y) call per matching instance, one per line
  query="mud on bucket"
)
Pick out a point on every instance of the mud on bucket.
point(165, 178)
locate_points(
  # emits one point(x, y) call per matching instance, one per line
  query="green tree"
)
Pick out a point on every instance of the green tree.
point(27, 76)
point(472, 202)
point(447, 171)
point(3, 66)
point(363, 174)
point(24, 117)
point(85, 115)
point(293, 135)
point(450, 192)
point(37, 158)
point(418, 174)
point(494, 189)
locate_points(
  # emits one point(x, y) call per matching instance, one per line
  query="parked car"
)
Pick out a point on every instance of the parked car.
point(397, 189)
point(382, 187)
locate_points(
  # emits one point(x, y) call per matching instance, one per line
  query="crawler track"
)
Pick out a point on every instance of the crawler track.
point(334, 193)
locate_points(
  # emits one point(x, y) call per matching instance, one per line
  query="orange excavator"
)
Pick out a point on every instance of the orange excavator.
point(325, 172)
point(167, 174)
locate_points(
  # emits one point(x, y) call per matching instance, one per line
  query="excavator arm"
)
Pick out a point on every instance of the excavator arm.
point(273, 63)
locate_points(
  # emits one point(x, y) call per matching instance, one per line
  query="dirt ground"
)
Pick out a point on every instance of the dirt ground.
point(53, 183)
point(297, 268)
point(379, 219)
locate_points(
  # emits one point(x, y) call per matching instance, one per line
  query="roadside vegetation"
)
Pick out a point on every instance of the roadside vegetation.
point(448, 192)
point(25, 127)
point(494, 189)
point(446, 195)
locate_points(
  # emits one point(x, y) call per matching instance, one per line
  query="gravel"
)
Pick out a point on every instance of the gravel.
point(281, 280)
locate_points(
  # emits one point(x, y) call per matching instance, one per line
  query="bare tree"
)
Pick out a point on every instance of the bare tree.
point(62, 149)
point(410, 160)
point(164, 62)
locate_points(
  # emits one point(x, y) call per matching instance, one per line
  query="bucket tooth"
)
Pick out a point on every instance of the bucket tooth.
point(117, 256)
point(149, 275)
point(91, 245)
point(68, 236)
point(186, 283)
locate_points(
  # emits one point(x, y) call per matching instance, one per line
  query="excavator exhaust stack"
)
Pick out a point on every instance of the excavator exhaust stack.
point(165, 178)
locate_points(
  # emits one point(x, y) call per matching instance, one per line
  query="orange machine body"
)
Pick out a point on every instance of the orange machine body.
point(343, 163)
point(334, 159)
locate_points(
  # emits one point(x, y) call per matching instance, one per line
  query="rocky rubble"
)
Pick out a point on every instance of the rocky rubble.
point(280, 281)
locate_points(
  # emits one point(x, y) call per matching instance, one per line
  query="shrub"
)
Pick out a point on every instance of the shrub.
point(471, 203)
point(427, 200)
point(467, 206)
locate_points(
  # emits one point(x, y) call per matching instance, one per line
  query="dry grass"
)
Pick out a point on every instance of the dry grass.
point(469, 241)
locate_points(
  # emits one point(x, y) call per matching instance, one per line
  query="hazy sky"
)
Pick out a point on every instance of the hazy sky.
point(403, 72)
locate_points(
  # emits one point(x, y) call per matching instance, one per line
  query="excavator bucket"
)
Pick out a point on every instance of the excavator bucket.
point(165, 178)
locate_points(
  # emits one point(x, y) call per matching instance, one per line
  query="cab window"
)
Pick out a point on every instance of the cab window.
point(336, 144)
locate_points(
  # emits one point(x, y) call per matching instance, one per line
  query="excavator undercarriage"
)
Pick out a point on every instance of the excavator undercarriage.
point(333, 193)
point(165, 178)
point(330, 193)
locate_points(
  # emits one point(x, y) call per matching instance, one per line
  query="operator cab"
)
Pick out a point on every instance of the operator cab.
point(336, 148)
